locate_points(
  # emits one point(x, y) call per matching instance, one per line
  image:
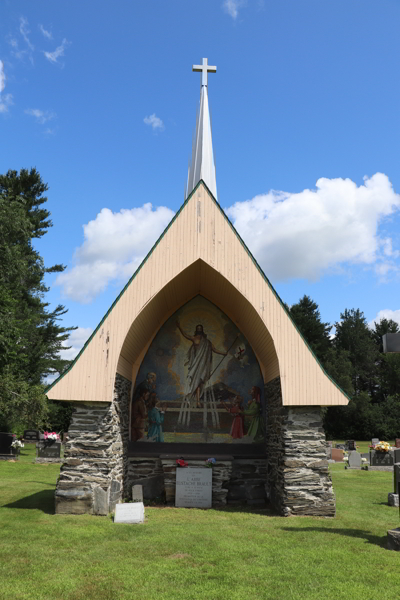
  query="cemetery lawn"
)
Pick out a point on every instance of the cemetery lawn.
point(185, 554)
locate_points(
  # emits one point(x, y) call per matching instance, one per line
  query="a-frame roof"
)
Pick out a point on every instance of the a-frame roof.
point(200, 252)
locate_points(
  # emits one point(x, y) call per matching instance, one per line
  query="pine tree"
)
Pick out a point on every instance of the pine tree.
point(30, 337)
point(308, 319)
point(354, 336)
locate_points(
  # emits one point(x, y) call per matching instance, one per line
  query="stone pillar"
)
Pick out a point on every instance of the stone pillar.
point(95, 460)
point(298, 477)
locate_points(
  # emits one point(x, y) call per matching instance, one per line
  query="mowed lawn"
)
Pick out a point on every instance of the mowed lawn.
point(188, 553)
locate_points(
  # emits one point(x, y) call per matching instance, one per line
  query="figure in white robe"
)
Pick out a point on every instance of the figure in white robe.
point(199, 362)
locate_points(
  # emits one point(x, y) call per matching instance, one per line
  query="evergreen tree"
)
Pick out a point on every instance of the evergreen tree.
point(30, 337)
point(354, 336)
point(308, 319)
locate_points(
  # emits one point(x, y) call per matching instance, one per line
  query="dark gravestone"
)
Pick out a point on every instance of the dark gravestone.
point(31, 435)
point(341, 446)
point(351, 445)
point(381, 459)
point(396, 454)
point(397, 443)
point(396, 478)
point(6, 439)
point(45, 450)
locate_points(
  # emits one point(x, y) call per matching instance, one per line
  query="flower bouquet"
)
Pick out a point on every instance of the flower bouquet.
point(181, 463)
point(210, 462)
point(16, 446)
point(50, 438)
point(382, 447)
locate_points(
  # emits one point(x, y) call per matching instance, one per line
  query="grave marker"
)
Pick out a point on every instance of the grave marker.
point(355, 459)
point(129, 513)
point(193, 487)
point(31, 435)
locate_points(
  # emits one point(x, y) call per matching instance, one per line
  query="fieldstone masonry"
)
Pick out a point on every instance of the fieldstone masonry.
point(97, 471)
point(95, 455)
point(298, 477)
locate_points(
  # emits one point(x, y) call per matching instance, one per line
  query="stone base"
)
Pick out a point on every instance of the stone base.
point(8, 457)
point(393, 539)
point(393, 500)
point(44, 461)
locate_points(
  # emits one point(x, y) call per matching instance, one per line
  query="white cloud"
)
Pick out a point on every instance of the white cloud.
point(76, 340)
point(388, 314)
point(5, 102)
point(59, 51)
point(114, 246)
point(42, 116)
point(2, 77)
point(155, 122)
point(232, 7)
point(47, 34)
point(305, 234)
point(24, 31)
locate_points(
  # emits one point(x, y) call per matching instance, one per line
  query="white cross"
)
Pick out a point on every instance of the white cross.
point(204, 69)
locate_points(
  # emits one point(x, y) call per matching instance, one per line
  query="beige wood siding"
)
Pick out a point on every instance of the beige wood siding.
point(200, 253)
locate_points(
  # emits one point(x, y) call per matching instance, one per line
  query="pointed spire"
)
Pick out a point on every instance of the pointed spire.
point(202, 166)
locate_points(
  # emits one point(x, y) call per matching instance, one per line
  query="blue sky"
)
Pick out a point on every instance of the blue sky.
point(100, 98)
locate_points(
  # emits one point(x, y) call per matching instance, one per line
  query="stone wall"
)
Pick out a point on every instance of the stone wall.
point(94, 470)
point(298, 476)
point(235, 481)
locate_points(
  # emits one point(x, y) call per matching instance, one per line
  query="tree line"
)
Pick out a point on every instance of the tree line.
point(353, 356)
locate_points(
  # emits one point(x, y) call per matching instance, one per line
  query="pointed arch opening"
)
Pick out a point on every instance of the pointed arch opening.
point(197, 279)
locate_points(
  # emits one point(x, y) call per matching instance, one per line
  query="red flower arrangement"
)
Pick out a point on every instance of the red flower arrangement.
point(181, 463)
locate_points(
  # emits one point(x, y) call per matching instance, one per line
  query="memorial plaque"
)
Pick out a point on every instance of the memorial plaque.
point(374, 441)
point(193, 487)
point(129, 513)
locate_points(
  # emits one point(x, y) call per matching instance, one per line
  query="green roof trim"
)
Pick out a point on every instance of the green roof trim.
point(149, 254)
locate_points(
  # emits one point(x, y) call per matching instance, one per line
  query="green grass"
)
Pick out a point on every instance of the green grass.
point(185, 554)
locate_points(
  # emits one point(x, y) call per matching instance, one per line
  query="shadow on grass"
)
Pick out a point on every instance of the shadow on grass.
point(354, 533)
point(43, 501)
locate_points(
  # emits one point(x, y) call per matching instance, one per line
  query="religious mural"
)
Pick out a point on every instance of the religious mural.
point(199, 382)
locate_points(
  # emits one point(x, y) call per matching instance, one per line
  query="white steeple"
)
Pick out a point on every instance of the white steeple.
point(202, 166)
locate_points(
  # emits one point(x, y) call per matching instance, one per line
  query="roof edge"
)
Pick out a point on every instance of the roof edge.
point(149, 254)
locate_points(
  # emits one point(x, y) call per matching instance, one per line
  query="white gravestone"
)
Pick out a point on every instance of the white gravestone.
point(193, 487)
point(129, 513)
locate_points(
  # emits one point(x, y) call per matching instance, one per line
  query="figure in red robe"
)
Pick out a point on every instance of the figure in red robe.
point(237, 429)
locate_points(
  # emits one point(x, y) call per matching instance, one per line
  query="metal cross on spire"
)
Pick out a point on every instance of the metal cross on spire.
point(204, 69)
point(202, 165)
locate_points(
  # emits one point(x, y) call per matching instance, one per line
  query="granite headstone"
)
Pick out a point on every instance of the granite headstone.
point(354, 459)
point(193, 487)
